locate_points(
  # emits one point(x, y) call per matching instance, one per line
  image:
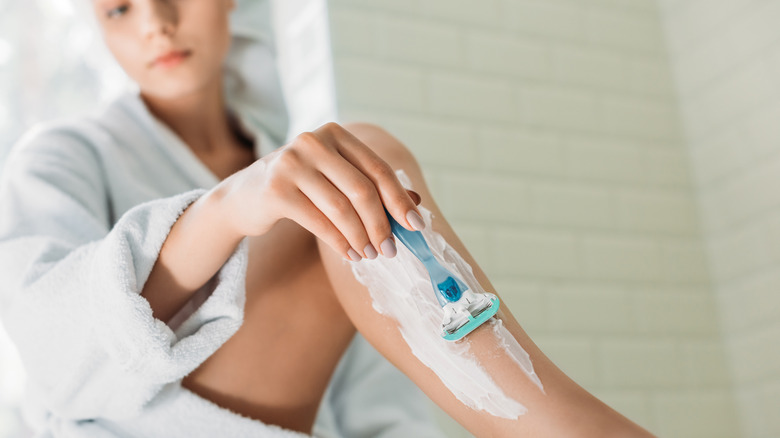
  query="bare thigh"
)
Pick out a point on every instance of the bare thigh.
point(278, 364)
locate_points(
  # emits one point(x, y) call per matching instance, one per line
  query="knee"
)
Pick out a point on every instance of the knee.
point(384, 144)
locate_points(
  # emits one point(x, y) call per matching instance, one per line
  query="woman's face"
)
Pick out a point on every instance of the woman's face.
point(195, 34)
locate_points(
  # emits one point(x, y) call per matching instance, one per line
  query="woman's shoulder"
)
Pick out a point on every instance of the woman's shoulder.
point(71, 137)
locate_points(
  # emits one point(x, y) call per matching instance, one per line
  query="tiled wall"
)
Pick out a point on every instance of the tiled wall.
point(727, 64)
point(549, 133)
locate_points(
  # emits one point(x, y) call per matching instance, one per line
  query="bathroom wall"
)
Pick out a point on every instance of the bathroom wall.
point(549, 133)
point(726, 55)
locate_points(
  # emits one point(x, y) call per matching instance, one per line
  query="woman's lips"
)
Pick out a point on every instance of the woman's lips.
point(171, 59)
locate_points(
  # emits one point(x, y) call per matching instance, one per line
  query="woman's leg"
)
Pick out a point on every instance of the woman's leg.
point(278, 364)
point(564, 409)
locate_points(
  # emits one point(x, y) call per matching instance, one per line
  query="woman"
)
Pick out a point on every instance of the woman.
point(173, 271)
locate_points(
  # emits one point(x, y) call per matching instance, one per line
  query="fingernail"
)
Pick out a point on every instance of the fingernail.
point(354, 255)
point(370, 252)
point(388, 248)
point(415, 220)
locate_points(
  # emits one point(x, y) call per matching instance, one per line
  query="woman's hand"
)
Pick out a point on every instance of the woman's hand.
point(330, 183)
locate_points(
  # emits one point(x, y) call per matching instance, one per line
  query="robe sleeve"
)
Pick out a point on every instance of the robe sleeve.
point(71, 283)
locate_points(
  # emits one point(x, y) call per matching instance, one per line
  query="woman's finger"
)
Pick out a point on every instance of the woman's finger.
point(376, 234)
point(393, 195)
point(415, 196)
point(303, 211)
point(330, 199)
point(363, 195)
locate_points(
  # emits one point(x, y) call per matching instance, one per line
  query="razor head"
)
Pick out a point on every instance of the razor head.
point(468, 313)
point(451, 330)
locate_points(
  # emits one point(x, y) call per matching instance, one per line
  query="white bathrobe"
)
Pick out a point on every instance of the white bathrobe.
point(85, 206)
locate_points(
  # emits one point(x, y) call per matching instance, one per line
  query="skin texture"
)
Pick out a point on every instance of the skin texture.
point(302, 208)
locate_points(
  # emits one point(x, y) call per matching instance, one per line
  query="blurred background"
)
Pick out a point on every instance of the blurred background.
point(613, 165)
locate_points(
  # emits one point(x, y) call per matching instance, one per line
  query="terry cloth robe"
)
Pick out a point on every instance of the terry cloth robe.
point(85, 206)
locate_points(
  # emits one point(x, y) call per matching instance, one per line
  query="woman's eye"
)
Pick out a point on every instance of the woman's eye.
point(113, 13)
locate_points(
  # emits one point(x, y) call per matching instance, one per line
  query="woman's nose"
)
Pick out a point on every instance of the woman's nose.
point(161, 18)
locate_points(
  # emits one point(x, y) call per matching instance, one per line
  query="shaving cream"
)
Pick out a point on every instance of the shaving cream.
point(401, 288)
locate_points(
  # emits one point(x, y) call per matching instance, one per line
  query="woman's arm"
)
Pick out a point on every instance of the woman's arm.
point(71, 282)
point(563, 409)
point(196, 247)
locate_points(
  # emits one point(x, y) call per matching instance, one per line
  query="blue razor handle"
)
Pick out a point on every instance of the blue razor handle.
point(448, 288)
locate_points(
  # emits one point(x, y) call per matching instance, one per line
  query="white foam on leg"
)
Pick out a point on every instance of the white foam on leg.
point(401, 288)
point(515, 351)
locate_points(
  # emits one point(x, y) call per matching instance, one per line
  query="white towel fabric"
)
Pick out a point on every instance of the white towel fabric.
point(85, 206)
point(252, 84)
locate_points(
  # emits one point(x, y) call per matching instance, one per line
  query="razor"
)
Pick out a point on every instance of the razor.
point(464, 310)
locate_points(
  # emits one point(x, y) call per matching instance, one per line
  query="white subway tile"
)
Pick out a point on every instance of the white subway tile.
point(590, 67)
point(689, 23)
point(536, 254)
point(436, 143)
point(667, 167)
point(418, 42)
point(743, 89)
point(471, 98)
point(685, 261)
point(639, 363)
point(752, 195)
point(651, 75)
point(753, 410)
point(522, 151)
point(621, 258)
point(353, 32)
point(400, 6)
point(705, 363)
point(680, 414)
point(648, 7)
point(771, 402)
point(755, 356)
point(560, 108)
point(570, 205)
point(750, 302)
point(719, 158)
point(485, 198)
point(732, 48)
point(507, 56)
point(623, 29)
point(356, 84)
point(604, 159)
point(483, 13)
point(772, 224)
point(589, 308)
point(667, 211)
point(544, 18)
point(641, 118)
point(739, 251)
point(762, 132)
point(675, 313)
